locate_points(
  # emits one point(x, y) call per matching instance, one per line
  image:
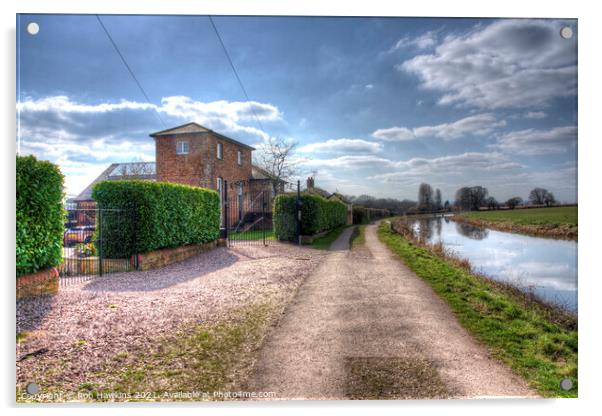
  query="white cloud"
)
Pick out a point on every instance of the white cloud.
point(424, 41)
point(538, 142)
point(342, 146)
point(535, 114)
point(464, 163)
point(509, 63)
point(347, 162)
point(478, 125)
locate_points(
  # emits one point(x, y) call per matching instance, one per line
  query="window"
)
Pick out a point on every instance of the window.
point(220, 151)
point(239, 157)
point(182, 148)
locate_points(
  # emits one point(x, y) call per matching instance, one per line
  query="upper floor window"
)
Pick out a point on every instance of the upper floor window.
point(182, 148)
point(220, 151)
point(239, 157)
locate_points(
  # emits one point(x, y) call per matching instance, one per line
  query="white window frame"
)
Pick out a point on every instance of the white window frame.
point(239, 158)
point(220, 151)
point(182, 148)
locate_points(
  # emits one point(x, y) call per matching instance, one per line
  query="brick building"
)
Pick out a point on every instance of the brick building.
point(191, 154)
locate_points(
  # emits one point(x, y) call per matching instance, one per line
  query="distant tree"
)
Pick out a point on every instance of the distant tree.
point(491, 203)
point(514, 202)
point(425, 197)
point(549, 199)
point(438, 204)
point(538, 196)
point(446, 206)
point(471, 198)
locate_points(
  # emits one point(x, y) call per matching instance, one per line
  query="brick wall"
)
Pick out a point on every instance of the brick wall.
point(200, 167)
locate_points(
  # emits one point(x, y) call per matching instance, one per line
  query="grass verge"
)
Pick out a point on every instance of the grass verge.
point(358, 236)
point(252, 235)
point(541, 350)
point(560, 222)
point(324, 242)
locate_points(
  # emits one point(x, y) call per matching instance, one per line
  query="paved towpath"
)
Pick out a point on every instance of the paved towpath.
point(366, 303)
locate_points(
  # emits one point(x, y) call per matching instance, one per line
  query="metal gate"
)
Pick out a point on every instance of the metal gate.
point(247, 217)
point(84, 240)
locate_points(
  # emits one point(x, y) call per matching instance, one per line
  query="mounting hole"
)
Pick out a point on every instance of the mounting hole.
point(566, 384)
point(33, 28)
point(566, 32)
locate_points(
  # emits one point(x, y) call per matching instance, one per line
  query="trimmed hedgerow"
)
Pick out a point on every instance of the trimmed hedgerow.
point(317, 214)
point(154, 215)
point(40, 215)
point(363, 215)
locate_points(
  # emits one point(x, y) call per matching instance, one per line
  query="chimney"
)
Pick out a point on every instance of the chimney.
point(310, 183)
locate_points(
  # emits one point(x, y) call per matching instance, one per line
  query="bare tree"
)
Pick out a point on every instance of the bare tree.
point(425, 197)
point(471, 198)
point(514, 202)
point(541, 196)
point(438, 203)
point(275, 158)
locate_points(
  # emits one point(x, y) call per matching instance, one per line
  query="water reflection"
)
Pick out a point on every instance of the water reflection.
point(467, 230)
point(546, 266)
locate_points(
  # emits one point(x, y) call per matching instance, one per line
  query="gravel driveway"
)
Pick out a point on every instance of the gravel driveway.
point(363, 324)
point(70, 335)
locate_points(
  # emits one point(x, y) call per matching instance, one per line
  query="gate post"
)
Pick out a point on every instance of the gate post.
point(263, 221)
point(298, 212)
point(100, 241)
point(226, 205)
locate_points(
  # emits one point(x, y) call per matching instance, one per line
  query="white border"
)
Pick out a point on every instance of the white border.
point(589, 193)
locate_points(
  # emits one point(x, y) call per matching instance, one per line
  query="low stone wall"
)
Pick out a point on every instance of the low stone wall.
point(45, 282)
point(165, 256)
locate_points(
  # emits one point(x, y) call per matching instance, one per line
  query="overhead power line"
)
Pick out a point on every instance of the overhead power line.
point(235, 72)
point(128, 67)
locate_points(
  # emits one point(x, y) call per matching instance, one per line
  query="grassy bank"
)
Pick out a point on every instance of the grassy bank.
point(539, 346)
point(358, 237)
point(324, 242)
point(560, 222)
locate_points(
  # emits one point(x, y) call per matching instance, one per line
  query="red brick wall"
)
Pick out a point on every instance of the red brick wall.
point(45, 282)
point(200, 167)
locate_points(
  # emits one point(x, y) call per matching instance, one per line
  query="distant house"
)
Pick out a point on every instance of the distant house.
point(195, 155)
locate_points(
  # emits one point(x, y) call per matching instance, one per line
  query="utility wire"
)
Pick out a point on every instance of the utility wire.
point(235, 72)
point(128, 67)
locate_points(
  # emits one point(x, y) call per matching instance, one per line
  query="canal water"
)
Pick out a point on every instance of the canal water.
point(546, 266)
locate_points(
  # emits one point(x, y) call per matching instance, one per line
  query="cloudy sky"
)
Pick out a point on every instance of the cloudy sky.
point(376, 105)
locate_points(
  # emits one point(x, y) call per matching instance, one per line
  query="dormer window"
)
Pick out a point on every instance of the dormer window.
point(239, 158)
point(182, 148)
point(220, 151)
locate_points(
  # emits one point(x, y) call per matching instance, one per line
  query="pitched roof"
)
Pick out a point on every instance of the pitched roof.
point(262, 174)
point(195, 128)
point(115, 171)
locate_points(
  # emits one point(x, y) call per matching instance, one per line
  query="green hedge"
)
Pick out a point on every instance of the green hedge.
point(153, 215)
point(40, 215)
point(317, 214)
point(363, 215)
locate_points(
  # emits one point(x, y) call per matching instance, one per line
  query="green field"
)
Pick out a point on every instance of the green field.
point(540, 347)
point(531, 216)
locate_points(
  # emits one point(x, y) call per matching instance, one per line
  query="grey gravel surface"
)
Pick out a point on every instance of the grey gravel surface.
point(373, 306)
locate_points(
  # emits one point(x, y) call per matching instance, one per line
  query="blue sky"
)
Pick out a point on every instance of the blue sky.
point(376, 105)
